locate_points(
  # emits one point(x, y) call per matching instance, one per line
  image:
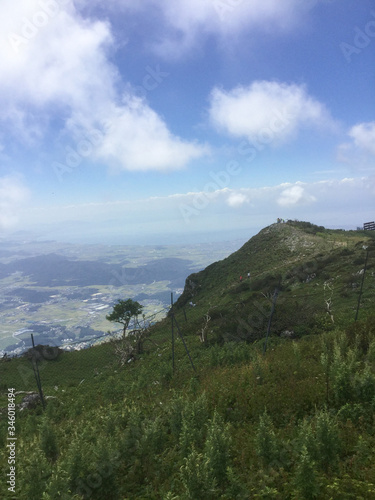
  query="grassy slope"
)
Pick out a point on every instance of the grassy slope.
point(143, 421)
point(308, 269)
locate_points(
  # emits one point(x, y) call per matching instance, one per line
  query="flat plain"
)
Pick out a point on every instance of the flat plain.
point(61, 293)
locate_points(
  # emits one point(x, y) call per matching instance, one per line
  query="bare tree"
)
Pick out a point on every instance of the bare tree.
point(203, 332)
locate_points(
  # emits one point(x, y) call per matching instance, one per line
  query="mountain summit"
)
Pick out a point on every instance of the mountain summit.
point(317, 274)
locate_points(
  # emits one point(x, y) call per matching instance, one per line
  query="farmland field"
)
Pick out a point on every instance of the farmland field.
point(61, 293)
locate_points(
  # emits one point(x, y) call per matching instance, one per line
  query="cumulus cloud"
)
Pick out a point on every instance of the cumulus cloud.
point(359, 151)
point(55, 63)
point(13, 194)
point(363, 135)
point(236, 200)
point(294, 195)
point(138, 139)
point(268, 111)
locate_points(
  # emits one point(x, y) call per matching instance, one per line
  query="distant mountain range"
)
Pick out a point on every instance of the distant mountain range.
point(56, 270)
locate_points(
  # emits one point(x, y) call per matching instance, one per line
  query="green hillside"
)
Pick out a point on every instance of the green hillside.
point(317, 272)
point(293, 422)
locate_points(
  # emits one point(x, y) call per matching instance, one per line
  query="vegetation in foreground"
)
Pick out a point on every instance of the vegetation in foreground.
point(294, 422)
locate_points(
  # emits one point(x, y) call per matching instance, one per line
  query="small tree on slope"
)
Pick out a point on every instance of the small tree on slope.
point(123, 312)
point(128, 346)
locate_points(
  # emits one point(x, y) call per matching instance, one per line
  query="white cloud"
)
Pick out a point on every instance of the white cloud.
point(60, 65)
point(294, 195)
point(228, 15)
point(185, 22)
point(236, 200)
point(55, 64)
point(360, 150)
point(13, 194)
point(266, 111)
point(363, 135)
point(138, 139)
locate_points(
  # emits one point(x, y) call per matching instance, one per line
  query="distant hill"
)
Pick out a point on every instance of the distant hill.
point(57, 270)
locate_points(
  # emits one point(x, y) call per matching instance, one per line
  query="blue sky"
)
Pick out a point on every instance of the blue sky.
point(184, 120)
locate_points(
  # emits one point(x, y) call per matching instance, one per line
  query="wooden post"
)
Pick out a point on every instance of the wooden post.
point(183, 341)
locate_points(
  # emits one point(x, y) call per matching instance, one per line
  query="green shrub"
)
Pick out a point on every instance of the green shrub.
point(347, 487)
point(77, 465)
point(91, 469)
point(301, 330)
point(267, 284)
point(327, 441)
point(361, 333)
point(152, 440)
point(103, 473)
point(307, 440)
point(230, 354)
point(165, 373)
point(194, 421)
point(217, 450)
point(131, 435)
point(267, 446)
point(242, 287)
point(56, 487)
point(364, 451)
point(308, 227)
point(371, 352)
point(3, 433)
point(193, 477)
point(354, 412)
point(35, 472)
point(305, 479)
point(346, 251)
point(322, 323)
point(174, 411)
point(205, 474)
point(320, 438)
point(344, 366)
point(48, 441)
point(364, 385)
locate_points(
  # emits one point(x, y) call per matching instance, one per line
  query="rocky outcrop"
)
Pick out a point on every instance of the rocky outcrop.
point(192, 287)
point(30, 401)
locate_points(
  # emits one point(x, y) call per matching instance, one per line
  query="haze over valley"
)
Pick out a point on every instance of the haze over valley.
point(61, 293)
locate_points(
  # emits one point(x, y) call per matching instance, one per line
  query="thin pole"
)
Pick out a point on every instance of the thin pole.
point(183, 341)
point(37, 375)
point(360, 291)
point(172, 315)
point(269, 321)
